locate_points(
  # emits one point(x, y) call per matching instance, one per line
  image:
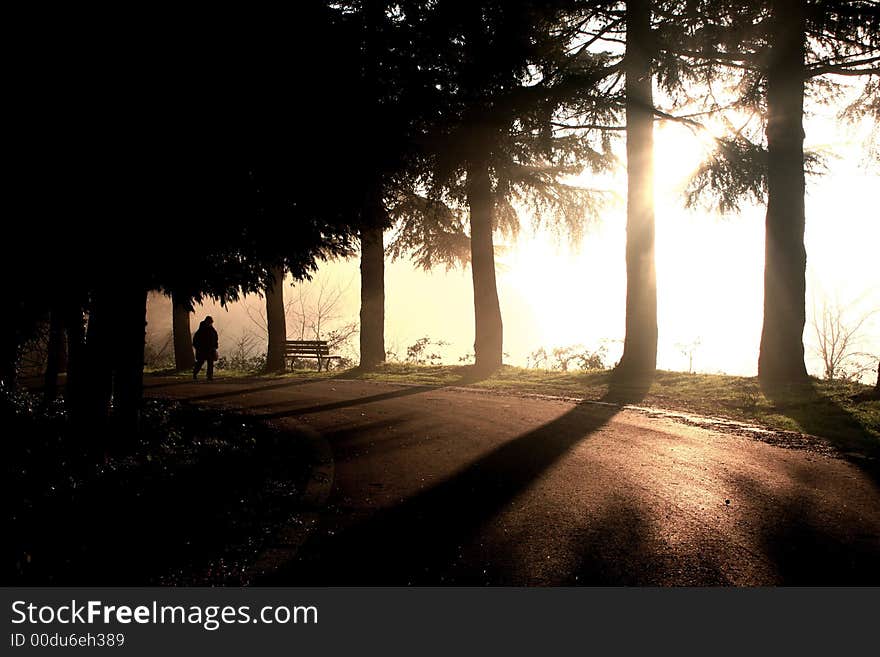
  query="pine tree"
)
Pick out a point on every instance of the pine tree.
point(640, 344)
point(779, 48)
point(276, 322)
point(494, 149)
point(372, 315)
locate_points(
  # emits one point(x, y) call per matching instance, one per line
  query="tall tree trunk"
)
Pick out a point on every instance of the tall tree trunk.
point(372, 324)
point(372, 333)
point(129, 337)
point(182, 335)
point(877, 385)
point(488, 327)
point(276, 322)
point(56, 357)
point(785, 259)
point(97, 375)
point(640, 344)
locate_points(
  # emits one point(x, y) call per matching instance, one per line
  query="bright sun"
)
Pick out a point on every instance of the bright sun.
point(678, 152)
point(576, 294)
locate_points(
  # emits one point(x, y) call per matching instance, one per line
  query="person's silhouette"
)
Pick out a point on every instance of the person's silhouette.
point(205, 341)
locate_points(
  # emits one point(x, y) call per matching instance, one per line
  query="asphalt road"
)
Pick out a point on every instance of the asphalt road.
point(418, 485)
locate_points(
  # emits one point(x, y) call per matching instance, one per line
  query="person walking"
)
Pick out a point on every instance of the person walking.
point(205, 342)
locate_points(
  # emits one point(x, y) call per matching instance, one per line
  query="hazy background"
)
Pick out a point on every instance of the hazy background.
point(554, 293)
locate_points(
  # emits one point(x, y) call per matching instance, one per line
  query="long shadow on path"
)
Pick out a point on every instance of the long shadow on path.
point(243, 386)
point(333, 406)
point(406, 391)
point(419, 540)
point(251, 390)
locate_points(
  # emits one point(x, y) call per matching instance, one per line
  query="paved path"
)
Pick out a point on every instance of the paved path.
point(422, 485)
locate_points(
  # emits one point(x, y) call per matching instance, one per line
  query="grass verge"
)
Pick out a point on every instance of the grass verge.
point(830, 409)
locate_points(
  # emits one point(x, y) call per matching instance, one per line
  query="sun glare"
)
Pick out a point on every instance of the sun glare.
point(574, 294)
point(678, 152)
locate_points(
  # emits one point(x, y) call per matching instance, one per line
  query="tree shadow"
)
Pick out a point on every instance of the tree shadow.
point(333, 406)
point(352, 444)
point(465, 374)
point(805, 547)
point(820, 415)
point(406, 390)
point(806, 554)
point(255, 389)
point(165, 384)
point(418, 541)
point(620, 548)
point(796, 543)
point(219, 379)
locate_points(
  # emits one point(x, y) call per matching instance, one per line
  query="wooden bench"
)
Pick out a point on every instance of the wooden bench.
point(318, 349)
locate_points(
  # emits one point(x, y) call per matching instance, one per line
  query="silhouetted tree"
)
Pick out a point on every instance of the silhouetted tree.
point(785, 258)
point(499, 68)
point(372, 316)
point(640, 344)
point(778, 47)
point(397, 100)
point(380, 77)
point(276, 322)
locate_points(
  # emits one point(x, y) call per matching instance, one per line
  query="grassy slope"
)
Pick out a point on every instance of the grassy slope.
point(819, 408)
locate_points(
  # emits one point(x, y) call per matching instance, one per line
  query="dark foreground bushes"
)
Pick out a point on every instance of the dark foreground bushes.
point(192, 497)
